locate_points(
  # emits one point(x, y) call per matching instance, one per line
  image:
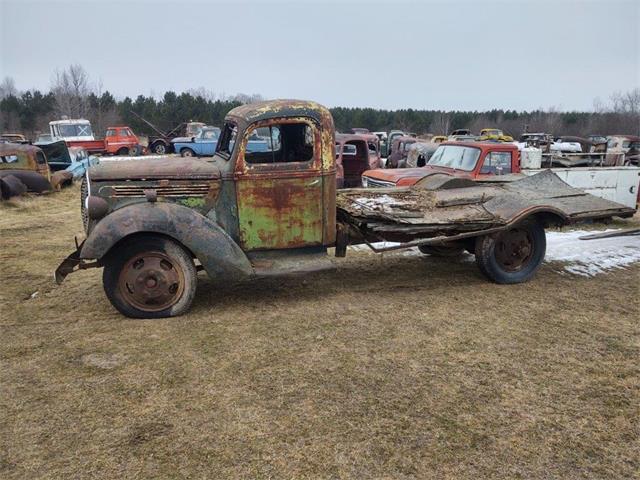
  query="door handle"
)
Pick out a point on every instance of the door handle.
point(313, 183)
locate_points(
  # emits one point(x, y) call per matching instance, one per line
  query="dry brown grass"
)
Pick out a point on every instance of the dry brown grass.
point(389, 367)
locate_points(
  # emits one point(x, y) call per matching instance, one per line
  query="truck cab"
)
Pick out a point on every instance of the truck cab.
point(355, 153)
point(71, 130)
point(120, 140)
point(473, 160)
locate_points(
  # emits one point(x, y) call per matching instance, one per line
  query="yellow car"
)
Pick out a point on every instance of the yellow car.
point(439, 138)
point(494, 134)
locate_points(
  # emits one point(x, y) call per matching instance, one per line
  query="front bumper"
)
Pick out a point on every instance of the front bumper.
point(71, 264)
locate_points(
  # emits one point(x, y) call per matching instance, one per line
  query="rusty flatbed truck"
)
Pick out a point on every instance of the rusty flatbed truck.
point(153, 223)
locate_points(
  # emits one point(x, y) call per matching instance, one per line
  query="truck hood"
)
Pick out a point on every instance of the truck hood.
point(155, 168)
point(396, 174)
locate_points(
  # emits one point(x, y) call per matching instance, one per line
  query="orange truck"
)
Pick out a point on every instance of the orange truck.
point(119, 140)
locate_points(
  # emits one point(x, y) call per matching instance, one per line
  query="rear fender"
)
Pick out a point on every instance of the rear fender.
point(217, 252)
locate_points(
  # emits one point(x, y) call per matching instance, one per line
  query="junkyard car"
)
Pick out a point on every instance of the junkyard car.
point(355, 153)
point(201, 145)
point(399, 150)
point(420, 153)
point(74, 160)
point(24, 168)
point(495, 135)
point(244, 214)
point(13, 138)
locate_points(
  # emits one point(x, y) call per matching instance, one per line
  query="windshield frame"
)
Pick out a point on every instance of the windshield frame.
point(228, 130)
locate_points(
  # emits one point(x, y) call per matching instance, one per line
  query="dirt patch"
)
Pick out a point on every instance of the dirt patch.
point(147, 431)
point(105, 361)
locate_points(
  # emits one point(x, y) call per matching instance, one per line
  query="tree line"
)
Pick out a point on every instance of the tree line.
point(72, 94)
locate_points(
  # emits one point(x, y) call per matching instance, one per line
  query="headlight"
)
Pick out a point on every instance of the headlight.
point(365, 182)
point(97, 207)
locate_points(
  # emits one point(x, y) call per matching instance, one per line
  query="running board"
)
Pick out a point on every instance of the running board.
point(289, 262)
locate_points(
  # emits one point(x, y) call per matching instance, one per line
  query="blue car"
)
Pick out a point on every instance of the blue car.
point(71, 159)
point(202, 145)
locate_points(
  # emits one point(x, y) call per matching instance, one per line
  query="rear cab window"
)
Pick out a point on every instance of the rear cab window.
point(496, 163)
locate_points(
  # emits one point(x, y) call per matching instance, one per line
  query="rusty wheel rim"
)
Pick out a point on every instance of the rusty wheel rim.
point(514, 249)
point(151, 282)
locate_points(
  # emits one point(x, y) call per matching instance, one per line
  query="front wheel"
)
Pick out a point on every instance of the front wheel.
point(514, 255)
point(150, 277)
point(187, 152)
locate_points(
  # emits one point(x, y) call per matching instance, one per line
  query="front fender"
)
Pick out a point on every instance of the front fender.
point(217, 252)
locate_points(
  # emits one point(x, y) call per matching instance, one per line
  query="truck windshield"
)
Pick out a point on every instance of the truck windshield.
point(456, 157)
point(75, 130)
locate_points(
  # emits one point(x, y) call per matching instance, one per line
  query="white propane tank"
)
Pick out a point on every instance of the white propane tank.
point(530, 157)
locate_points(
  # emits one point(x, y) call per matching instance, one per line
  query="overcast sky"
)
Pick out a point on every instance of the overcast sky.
point(443, 55)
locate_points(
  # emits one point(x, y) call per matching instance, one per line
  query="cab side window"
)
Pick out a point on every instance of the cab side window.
point(497, 163)
point(280, 143)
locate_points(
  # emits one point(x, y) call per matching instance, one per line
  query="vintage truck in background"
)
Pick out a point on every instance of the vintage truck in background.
point(355, 153)
point(118, 140)
point(153, 223)
point(489, 161)
point(201, 145)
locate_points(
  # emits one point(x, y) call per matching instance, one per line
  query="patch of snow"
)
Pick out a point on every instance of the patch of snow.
point(591, 257)
point(376, 201)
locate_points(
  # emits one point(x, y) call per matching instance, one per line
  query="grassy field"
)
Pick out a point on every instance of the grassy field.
point(388, 367)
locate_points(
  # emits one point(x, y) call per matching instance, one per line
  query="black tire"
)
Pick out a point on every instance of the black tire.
point(123, 152)
point(514, 255)
point(187, 152)
point(159, 148)
point(173, 282)
point(441, 250)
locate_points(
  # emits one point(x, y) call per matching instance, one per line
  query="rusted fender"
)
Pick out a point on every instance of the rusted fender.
point(220, 256)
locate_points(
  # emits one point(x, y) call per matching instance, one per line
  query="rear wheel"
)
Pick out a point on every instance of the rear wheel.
point(514, 255)
point(442, 250)
point(187, 152)
point(150, 277)
point(159, 148)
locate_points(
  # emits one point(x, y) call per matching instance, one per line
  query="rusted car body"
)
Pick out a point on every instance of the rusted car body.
point(24, 168)
point(13, 138)
point(245, 214)
point(617, 148)
point(355, 153)
point(420, 153)
point(399, 150)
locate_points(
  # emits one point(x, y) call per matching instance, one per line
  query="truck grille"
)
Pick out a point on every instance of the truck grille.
point(190, 190)
point(373, 183)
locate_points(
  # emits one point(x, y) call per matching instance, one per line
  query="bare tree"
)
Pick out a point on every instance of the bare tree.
point(627, 102)
point(8, 88)
point(71, 90)
point(441, 123)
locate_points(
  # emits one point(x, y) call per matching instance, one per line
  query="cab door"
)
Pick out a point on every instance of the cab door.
point(279, 185)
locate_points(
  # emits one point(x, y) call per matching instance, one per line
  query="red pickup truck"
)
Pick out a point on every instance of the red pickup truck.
point(119, 140)
point(461, 159)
